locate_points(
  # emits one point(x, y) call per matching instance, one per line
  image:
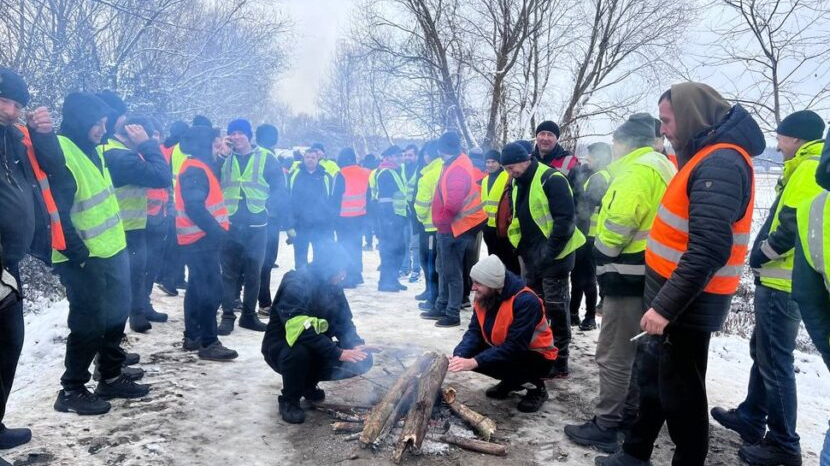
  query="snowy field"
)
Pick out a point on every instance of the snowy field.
point(209, 413)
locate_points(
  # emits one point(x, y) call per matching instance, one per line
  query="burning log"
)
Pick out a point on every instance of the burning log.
point(379, 420)
point(475, 445)
point(482, 425)
point(337, 415)
point(342, 427)
point(343, 407)
point(417, 420)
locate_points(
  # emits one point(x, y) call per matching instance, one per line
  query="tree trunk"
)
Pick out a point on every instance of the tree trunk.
point(417, 420)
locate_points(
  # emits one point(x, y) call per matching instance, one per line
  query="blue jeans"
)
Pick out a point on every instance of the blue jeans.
point(771, 400)
point(825, 452)
point(450, 266)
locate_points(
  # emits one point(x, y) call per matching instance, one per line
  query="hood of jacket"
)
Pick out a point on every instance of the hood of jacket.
point(737, 127)
point(512, 285)
point(81, 111)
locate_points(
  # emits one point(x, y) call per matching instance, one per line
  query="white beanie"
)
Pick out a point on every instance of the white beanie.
point(489, 272)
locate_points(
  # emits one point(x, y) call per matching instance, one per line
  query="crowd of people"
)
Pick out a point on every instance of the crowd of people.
point(654, 242)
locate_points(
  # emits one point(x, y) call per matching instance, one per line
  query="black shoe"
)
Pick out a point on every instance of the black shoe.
point(139, 323)
point(167, 289)
point(426, 306)
point(768, 453)
point(575, 321)
point(422, 296)
point(590, 434)
point(533, 399)
point(291, 411)
point(131, 359)
point(10, 438)
point(81, 402)
point(122, 387)
point(217, 352)
point(588, 323)
point(315, 395)
point(154, 316)
point(466, 304)
point(414, 277)
point(620, 458)
point(264, 311)
point(388, 287)
point(132, 373)
point(732, 421)
point(251, 322)
point(432, 315)
point(448, 321)
point(400, 286)
point(190, 345)
point(501, 390)
point(226, 325)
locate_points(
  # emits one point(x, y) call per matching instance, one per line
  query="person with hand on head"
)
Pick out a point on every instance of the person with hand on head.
point(310, 310)
point(508, 338)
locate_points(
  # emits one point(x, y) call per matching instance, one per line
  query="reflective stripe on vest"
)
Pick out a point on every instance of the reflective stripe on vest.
point(565, 164)
point(426, 193)
point(398, 199)
point(542, 340)
point(132, 199)
point(669, 236)
point(58, 240)
point(540, 212)
point(410, 181)
point(356, 179)
point(251, 182)
point(157, 198)
point(187, 232)
point(373, 183)
point(471, 214)
point(592, 230)
point(813, 226)
point(490, 196)
point(94, 212)
point(177, 158)
point(326, 181)
point(330, 166)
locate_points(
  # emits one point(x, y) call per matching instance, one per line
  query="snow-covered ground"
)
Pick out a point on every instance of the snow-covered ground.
point(208, 413)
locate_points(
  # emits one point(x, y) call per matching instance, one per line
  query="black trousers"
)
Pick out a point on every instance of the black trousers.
point(527, 366)
point(137, 250)
point(471, 255)
point(302, 368)
point(584, 281)
point(349, 237)
point(428, 252)
point(97, 316)
point(204, 294)
point(502, 248)
point(317, 237)
point(272, 249)
point(172, 272)
point(11, 340)
point(392, 248)
point(554, 293)
point(241, 259)
point(156, 244)
point(672, 379)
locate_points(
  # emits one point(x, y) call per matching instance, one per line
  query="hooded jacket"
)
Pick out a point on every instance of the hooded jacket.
point(526, 315)
point(719, 192)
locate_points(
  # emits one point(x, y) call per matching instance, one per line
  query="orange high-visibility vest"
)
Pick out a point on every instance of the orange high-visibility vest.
point(673, 160)
point(542, 341)
point(472, 213)
point(157, 197)
point(669, 237)
point(58, 241)
point(187, 232)
point(353, 203)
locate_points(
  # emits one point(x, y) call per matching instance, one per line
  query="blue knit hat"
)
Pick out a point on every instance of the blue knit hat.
point(242, 125)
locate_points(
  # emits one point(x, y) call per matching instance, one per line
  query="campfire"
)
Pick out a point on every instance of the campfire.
point(415, 406)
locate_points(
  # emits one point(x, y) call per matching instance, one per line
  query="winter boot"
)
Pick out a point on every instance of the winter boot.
point(620, 458)
point(190, 344)
point(122, 387)
point(264, 311)
point(155, 316)
point(732, 421)
point(768, 453)
point(10, 438)
point(590, 434)
point(251, 322)
point(315, 394)
point(414, 277)
point(432, 315)
point(291, 411)
point(168, 289)
point(139, 322)
point(388, 287)
point(575, 321)
point(447, 321)
point(502, 390)
point(466, 304)
point(226, 324)
point(217, 352)
point(400, 286)
point(81, 402)
point(132, 373)
point(588, 323)
point(131, 359)
point(533, 399)
point(426, 306)
point(422, 296)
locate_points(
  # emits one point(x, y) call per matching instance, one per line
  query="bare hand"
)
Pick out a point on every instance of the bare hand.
point(369, 348)
point(459, 364)
point(136, 134)
point(352, 355)
point(40, 121)
point(653, 323)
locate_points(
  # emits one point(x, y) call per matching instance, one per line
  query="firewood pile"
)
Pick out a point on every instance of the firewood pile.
point(412, 410)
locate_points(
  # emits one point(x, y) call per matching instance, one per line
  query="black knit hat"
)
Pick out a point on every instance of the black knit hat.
point(514, 153)
point(267, 135)
point(548, 126)
point(526, 144)
point(318, 146)
point(638, 125)
point(804, 124)
point(449, 143)
point(201, 120)
point(346, 157)
point(492, 154)
point(198, 141)
point(13, 87)
point(391, 151)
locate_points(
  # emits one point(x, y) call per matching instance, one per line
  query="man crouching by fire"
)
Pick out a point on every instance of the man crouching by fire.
point(309, 312)
point(509, 338)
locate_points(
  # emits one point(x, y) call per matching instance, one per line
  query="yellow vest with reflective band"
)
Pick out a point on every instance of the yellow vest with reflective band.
point(799, 182)
point(540, 212)
point(426, 192)
point(410, 180)
point(94, 212)
point(176, 160)
point(629, 207)
point(132, 200)
point(592, 229)
point(398, 199)
point(295, 165)
point(814, 233)
point(490, 196)
point(326, 180)
point(373, 183)
point(330, 166)
point(251, 181)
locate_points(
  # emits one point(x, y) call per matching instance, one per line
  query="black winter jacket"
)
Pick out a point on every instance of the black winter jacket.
point(148, 170)
point(719, 191)
point(557, 153)
point(311, 206)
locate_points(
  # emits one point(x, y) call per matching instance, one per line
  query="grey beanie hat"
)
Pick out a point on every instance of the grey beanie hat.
point(638, 125)
point(489, 272)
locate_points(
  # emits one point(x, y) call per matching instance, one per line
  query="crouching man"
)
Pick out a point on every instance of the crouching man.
point(309, 312)
point(509, 338)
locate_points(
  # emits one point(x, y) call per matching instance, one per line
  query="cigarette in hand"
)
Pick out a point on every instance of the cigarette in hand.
point(638, 336)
